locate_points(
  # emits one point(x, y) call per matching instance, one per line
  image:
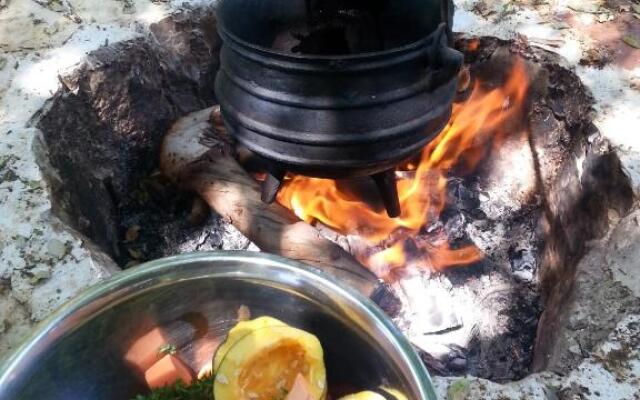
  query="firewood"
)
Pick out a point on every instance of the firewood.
point(201, 158)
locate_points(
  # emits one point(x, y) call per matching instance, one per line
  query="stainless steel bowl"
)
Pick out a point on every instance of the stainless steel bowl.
point(97, 346)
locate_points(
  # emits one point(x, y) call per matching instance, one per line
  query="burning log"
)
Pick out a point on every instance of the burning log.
point(200, 158)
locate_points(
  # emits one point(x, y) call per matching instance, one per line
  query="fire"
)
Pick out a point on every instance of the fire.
point(478, 125)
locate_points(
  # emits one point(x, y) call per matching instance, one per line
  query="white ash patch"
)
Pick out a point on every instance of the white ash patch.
point(431, 307)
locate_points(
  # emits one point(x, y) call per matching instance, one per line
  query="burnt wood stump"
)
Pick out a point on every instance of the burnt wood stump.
point(101, 135)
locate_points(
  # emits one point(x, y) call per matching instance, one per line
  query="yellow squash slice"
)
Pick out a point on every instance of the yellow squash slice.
point(371, 395)
point(261, 359)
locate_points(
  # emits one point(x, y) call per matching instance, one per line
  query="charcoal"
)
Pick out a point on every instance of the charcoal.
point(455, 228)
point(457, 365)
point(523, 259)
point(461, 196)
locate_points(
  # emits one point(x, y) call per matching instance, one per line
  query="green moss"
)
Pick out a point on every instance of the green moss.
point(459, 390)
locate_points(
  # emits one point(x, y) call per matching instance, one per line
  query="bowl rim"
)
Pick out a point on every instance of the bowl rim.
point(98, 296)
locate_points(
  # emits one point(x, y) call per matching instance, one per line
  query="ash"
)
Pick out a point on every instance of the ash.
point(479, 319)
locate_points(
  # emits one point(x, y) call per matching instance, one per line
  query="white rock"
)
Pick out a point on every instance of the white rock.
point(623, 262)
point(28, 25)
point(611, 373)
point(56, 248)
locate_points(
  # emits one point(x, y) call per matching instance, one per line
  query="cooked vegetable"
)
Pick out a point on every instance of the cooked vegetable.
point(167, 371)
point(261, 359)
point(379, 394)
point(395, 393)
point(143, 352)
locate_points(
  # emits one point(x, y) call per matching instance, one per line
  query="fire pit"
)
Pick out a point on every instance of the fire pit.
point(496, 210)
point(336, 89)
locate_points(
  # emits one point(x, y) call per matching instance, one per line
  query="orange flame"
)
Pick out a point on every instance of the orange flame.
point(477, 126)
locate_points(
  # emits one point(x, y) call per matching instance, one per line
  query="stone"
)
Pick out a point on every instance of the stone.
point(534, 387)
point(589, 6)
point(39, 273)
point(14, 320)
point(612, 370)
point(27, 25)
point(56, 248)
point(623, 261)
point(590, 314)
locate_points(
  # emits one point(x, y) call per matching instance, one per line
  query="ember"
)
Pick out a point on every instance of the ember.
point(477, 126)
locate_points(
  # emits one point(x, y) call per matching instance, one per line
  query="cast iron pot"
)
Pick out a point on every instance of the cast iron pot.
point(91, 348)
point(336, 115)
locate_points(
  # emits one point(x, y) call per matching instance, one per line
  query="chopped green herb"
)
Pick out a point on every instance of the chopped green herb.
point(167, 349)
point(202, 389)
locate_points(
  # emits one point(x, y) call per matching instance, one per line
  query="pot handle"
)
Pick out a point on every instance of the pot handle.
point(445, 60)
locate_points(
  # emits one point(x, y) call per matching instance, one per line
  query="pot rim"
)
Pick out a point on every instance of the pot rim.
point(364, 56)
point(94, 300)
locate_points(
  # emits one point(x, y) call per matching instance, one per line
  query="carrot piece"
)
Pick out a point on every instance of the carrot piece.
point(143, 353)
point(300, 390)
point(167, 371)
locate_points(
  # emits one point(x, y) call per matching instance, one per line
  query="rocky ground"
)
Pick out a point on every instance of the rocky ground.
point(43, 263)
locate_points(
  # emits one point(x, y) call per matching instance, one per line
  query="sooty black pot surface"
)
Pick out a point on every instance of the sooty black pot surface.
point(336, 89)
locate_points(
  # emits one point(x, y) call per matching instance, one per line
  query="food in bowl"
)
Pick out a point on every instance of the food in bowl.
point(187, 305)
point(260, 359)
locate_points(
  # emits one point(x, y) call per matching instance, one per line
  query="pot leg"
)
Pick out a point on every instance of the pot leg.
point(272, 185)
point(388, 189)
